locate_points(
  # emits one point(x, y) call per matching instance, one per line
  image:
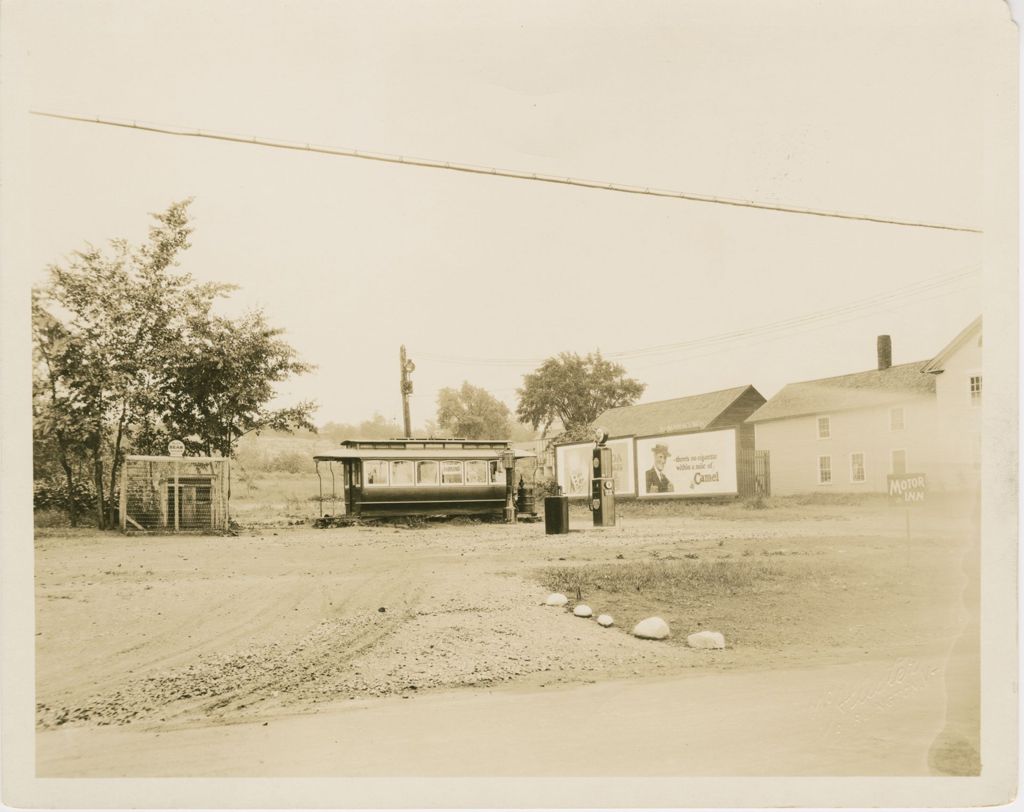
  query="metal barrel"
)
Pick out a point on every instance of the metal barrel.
point(556, 514)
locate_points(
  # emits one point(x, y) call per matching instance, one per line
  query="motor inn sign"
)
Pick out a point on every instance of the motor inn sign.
point(907, 489)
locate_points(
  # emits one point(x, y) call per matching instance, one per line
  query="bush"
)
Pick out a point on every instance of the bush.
point(544, 486)
point(50, 517)
point(52, 494)
point(292, 462)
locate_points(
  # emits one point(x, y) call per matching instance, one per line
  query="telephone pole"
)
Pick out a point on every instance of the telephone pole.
point(407, 367)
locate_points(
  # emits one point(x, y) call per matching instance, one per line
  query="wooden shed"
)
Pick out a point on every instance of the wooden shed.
point(174, 493)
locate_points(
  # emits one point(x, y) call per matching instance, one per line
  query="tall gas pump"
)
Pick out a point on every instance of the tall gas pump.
point(602, 484)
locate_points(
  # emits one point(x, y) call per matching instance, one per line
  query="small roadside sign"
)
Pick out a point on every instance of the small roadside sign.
point(176, 448)
point(907, 489)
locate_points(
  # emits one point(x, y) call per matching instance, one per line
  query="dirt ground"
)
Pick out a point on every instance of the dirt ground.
point(156, 634)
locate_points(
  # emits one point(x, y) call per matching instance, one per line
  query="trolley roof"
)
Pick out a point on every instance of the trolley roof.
point(418, 454)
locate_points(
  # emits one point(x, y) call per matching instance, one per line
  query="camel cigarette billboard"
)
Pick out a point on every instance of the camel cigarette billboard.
point(702, 464)
point(573, 467)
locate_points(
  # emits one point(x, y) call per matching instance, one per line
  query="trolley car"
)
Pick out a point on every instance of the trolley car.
point(414, 477)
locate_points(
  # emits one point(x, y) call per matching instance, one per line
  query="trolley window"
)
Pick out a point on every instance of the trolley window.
point(476, 472)
point(451, 472)
point(401, 472)
point(426, 472)
point(376, 472)
point(497, 472)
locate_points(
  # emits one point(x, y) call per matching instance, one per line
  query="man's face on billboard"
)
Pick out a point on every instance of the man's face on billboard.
point(659, 461)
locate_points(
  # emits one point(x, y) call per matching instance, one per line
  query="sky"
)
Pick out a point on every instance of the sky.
point(864, 107)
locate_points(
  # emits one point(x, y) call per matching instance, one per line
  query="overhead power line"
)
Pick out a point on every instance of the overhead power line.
point(167, 129)
point(759, 341)
point(923, 290)
point(878, 301)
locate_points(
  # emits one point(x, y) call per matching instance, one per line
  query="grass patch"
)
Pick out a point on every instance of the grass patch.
point(756, 601)
point(670, 578)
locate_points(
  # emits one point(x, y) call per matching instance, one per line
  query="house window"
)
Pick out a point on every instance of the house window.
point(899, 461)
point(824, 428)
point(824, 470)
point(975, 389)
point(857, 467)
point(896, 419)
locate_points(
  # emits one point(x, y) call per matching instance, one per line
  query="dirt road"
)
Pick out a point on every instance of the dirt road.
point(871, 718)
point(406, 649)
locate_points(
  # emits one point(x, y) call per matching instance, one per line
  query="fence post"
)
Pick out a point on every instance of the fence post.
point(123, 502)
point(177, 496)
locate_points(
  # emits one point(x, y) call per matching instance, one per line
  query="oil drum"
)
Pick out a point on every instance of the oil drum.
point(556, 514)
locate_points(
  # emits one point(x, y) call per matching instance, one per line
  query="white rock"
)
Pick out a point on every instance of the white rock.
point(605, 620)
point(556, 599)
point(652, 628)
point(582, 610)
point(706, 640)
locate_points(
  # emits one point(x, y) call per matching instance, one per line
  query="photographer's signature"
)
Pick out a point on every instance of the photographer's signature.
point(844, 709)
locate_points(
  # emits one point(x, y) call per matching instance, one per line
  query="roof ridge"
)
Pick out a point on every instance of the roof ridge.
point(919, 364)
point(681, 397)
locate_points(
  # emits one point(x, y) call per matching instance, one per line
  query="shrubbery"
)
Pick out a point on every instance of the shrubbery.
point(545, 486)
point(50, 495)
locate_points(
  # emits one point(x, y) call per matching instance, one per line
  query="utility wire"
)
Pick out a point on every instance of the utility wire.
point(878, 301)
point(870, 303)
point(759, 340)
point(167, 129)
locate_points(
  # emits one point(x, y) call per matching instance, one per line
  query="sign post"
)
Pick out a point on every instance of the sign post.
point(907, 490)
point(176, 448)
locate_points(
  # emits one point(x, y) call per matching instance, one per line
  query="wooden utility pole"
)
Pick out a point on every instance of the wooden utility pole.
point(407, 367)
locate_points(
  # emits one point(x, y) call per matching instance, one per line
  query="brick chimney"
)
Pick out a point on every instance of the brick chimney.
point(884, 352)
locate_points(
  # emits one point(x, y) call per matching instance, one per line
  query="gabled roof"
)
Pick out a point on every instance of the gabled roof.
point(693, 413)
point(938, 363)
point(859, 390)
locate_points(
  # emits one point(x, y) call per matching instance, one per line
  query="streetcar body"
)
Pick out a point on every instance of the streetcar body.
point(415, 477)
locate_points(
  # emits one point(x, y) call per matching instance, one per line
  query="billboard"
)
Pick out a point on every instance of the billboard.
point(702, 464)
point(573, 466)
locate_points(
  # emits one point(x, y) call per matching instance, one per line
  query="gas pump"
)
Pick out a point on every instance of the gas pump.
point(602, 484)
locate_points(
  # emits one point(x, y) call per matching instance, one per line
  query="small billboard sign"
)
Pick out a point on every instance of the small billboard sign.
point(907, 489)
point(176, 448)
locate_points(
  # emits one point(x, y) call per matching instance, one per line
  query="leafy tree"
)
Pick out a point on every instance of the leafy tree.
point(56, 434)
point(220, 379)
point(574, 390)
point(128, 354)
point(100, 324)
point(473, 413)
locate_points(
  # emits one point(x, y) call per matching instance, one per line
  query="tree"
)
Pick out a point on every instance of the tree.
point(99, 326)
point(128, 353)
point(574, 390)
point(220, 380)
point(56, 434)
point(473, 413)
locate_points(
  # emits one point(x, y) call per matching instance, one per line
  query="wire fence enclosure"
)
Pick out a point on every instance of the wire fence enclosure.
point(174, 493)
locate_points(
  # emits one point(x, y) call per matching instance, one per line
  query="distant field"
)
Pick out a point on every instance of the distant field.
point(270, 497)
